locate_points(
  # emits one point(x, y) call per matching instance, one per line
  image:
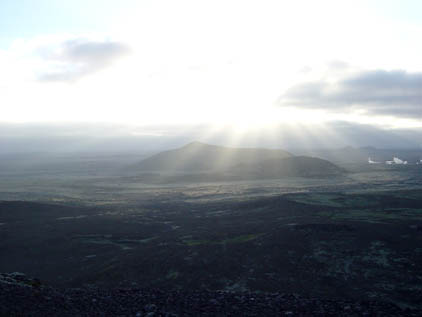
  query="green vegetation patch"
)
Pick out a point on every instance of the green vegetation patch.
point(172, 275)
point(317, 199)
point(373, 215)
point(378, 254)
point(241, 239)
point(197, 242)
point(124, 244)
point(410, 194)
point(238, 239)
point(335, 200)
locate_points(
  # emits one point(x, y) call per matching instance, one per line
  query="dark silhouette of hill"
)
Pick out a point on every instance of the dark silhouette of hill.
point(198, 157)
point(302, 166)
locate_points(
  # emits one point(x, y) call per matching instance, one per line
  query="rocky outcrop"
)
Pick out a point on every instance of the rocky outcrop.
point(23, 296)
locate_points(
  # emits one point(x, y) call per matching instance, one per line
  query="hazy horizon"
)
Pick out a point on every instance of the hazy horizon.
point(109, 138)
point(78, 75)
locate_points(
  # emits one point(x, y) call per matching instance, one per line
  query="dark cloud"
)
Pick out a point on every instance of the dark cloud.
point(396, 93)
point(77, 58)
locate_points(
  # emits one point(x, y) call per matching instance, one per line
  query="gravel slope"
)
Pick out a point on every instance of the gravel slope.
point(23, 296)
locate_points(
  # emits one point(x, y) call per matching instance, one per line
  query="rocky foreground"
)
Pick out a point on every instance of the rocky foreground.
point(23, 296)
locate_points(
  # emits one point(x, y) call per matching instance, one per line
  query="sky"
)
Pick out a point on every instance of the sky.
point(263, 68)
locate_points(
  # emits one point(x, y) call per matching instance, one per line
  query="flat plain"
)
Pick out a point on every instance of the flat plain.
point(356, 236)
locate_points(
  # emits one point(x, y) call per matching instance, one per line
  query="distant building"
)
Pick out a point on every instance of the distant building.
point(396, 161)
point(399, 161)
point(372, 162)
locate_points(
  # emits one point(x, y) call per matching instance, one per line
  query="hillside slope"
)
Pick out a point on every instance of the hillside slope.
point(297, 166)
point(237, 162)
point(196, 156)
point(24, 296)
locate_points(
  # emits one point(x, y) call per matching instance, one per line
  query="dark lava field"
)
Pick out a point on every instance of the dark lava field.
point(356, 238)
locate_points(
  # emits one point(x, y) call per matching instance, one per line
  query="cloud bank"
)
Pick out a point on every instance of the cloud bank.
point(73, 59)
point(377, 92)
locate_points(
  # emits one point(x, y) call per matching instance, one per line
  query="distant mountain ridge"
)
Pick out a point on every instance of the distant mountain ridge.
point(360, 155)
point(302, 166)
point(198, 157)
